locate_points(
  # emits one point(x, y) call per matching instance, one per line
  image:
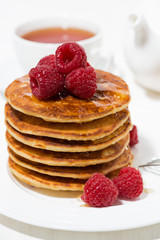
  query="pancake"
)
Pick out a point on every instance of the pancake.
point(112, 95)
point(45, 181)
point(48, 182)
point(67, 159)
point(70, 146)
point(73, 172)
point(70, 131)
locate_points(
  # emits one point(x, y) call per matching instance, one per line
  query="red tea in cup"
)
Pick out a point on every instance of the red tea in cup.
point(57, 35)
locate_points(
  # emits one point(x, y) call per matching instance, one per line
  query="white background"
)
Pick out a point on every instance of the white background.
point(111, 14)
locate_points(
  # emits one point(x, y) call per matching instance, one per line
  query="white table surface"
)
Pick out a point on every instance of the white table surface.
point(111, 15)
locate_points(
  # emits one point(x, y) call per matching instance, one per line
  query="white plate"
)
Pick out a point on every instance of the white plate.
point(66, 211)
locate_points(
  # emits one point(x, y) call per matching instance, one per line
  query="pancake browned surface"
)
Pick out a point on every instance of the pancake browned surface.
point(45, 181)
point(67, 159)
point(61, 145)
point(74, 172)
point(112, 96)
point(70, 131)
point(49, 182)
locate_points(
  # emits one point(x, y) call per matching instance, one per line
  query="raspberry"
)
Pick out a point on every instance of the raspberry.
point(129, 183)
point(133, 136)
point(48, 60)
point(70, 56)
point(81, 82)
point(99, 191)
point(45, 82)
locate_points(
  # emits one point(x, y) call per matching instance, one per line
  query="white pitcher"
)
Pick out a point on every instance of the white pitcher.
point(142, 52)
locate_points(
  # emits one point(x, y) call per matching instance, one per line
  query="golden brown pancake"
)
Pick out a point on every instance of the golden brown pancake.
point(45, 181)
point(70, 131)
point(49, 182)
point(67, 159)
point(61, 145)
point(73, 172)
point(112, 95)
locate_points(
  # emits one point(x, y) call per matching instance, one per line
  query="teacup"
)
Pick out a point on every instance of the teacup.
point(30, 52)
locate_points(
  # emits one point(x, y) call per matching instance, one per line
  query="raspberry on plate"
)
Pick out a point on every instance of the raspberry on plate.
point(133, 136)
point(70, 56)
point(81, 82)
point(129, 183)
point(99, 191)
point(45, 82)
point(48, 60)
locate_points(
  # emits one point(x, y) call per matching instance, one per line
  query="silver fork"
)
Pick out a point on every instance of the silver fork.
point(155, 162)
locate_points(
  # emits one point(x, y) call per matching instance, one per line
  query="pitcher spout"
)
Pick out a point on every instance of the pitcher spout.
point(140, 27)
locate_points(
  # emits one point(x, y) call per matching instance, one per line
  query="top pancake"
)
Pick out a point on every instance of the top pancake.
point(112, 95)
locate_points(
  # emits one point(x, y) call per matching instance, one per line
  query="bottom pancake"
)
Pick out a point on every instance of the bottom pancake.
point(49, 182)
point(73, 172)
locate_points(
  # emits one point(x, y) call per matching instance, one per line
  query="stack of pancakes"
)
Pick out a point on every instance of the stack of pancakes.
point(60, 142)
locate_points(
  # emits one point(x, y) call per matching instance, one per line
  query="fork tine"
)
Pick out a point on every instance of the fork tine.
point(155, 162)
point(149, 165)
